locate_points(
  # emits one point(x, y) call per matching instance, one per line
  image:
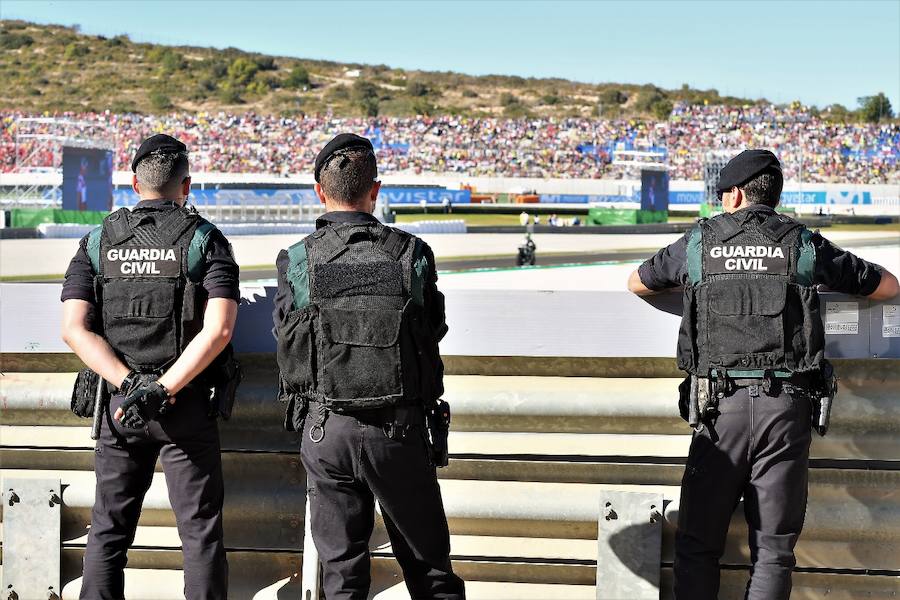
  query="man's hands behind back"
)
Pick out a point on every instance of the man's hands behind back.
point(143, 402)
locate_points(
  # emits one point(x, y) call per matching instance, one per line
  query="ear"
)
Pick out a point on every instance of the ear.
point(320, 193)
point(373, 195)
point(135, 185)
point(186, 186)
point(737, 197)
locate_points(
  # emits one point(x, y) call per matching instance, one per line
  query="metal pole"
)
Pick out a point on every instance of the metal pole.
point(800, 176)
point(310, 573)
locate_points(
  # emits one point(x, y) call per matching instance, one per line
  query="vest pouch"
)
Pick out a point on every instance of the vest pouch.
point(746, 323)
point(191, 314)
point(296, 351)
point(360, 354)
point(139, 321)
point(804, 330)
point(687, 351)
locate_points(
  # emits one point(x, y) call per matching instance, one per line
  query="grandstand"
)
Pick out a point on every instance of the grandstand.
point(257, 168)
point(811, 148)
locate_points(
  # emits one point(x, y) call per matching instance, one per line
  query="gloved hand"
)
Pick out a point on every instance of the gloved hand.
point(144, 402)
point(132, 379)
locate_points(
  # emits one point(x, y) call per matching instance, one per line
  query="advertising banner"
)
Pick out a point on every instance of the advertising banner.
point(429, 195)
point(685, 197)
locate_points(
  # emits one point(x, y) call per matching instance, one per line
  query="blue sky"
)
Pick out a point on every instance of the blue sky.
point(817, 52)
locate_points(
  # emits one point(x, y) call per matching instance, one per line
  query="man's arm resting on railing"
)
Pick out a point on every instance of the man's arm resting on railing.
point(664, 270)
point(887, 287)
point(636, 286)
point(91, 348)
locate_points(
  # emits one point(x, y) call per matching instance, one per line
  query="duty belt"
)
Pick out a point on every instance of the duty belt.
point(758, 377)
point(395, 421)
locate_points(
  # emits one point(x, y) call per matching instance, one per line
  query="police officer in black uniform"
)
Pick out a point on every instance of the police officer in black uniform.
point(149, 302)
point(358, 317)
point(752, 341)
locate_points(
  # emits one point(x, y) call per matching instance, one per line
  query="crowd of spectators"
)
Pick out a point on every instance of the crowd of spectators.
point(809, 147)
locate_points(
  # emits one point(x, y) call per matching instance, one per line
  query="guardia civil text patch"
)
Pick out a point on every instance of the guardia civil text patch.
point(133, 261)
point(747, 258)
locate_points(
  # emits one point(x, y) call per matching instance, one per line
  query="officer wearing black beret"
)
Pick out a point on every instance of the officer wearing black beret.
point(149, 304)
point(358, 318)
point(752, 343)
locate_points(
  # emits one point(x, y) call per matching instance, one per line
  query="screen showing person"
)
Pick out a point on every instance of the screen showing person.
point(87, 179)
point(654, 190)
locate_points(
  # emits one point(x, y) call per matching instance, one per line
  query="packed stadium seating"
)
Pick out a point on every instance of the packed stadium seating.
point(809, 146)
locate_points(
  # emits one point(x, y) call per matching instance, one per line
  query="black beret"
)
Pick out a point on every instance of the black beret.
point(342, 141)
point(744, 167)
point(157, 143)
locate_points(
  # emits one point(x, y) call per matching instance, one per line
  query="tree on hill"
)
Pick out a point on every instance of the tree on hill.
point(873, 109)
point(365, 95)
point(298, 78)
point(416, 88)
point(242, 70)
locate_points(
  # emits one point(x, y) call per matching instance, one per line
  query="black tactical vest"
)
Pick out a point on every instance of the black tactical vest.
point(358, 337)
point(751, 308)
point(149, 306)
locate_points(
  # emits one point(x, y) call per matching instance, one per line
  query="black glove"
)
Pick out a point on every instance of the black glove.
point(144, 402)
point(132, 379)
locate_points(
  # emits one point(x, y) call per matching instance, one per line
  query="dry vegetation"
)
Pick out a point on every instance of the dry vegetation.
point(53, 68)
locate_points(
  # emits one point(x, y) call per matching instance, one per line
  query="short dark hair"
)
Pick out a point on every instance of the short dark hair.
point(765, 188)
point(349, 175)
point(161, 172)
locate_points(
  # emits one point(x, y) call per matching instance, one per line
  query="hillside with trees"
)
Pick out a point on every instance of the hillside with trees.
point(47, 68)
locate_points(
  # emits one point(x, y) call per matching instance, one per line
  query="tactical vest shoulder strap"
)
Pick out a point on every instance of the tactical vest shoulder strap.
point(93, 248)
point(725, 226)
point(392, 242)
point(329, 244)
point(117, 227)
point(176, 224)
point(196, 256)
point(806, 259)
point(419, 272)
point(695, 254)
point(775, 227)
point(298, 274)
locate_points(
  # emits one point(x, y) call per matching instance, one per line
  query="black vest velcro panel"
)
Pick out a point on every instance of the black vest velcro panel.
point(748, 312)
point(149, 306)
point(354, 346)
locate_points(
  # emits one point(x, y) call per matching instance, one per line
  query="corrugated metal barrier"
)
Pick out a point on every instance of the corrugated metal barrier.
point(538, 435)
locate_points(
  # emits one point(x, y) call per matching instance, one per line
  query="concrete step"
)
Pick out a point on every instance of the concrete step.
point(505, 590)
point(166, 584)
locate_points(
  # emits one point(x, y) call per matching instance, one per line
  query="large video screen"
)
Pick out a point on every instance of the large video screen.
point(87, 179)
point(654, 190)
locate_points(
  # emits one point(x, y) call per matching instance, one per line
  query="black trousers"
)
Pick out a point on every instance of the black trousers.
point(352, 466)
point(758, 448)
point(186, 440)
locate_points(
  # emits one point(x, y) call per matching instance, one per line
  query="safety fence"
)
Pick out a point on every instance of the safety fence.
point(231, 229)
point(548, 416)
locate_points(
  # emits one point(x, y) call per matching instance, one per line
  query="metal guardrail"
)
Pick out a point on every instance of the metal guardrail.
point(535, 443)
